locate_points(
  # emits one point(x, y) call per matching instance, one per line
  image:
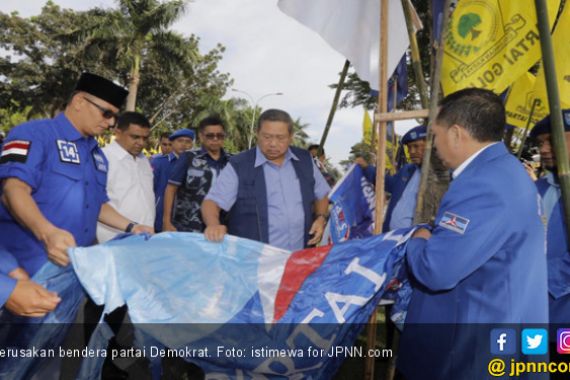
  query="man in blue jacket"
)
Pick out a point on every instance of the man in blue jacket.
point(484, 261)
point(557, 255)
point(402, 186)
point(182, 141)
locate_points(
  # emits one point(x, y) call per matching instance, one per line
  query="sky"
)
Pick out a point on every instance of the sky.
point(266, 52)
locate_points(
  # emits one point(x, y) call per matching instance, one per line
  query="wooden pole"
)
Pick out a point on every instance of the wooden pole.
point(381, 164)
point(435, 86)
point(333, 107)
point(556, 125)
point(404, 115)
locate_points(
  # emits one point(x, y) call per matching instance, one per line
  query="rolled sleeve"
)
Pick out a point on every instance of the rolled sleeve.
point(30, 170)
point(225, 189)
point(322, 188)
point(7, 262)
point(179, 170)
point(7, 286)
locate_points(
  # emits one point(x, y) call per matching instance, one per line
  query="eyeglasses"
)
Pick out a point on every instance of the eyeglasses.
point(279, 138)
point(212, 136)
point(106, 113)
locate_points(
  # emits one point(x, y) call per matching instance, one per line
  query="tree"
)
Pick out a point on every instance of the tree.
point(39, 67)
point(44, 55)
point(136, 32)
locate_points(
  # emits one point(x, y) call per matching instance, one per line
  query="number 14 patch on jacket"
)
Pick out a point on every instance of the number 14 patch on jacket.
point(454, 222)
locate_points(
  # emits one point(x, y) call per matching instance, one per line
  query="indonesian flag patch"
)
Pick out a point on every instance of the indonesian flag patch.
point(15, 151)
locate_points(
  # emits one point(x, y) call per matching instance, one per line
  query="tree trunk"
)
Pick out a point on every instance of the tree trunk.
point(134, 83)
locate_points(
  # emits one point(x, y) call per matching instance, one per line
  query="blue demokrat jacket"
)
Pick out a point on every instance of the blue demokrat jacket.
point(485, 263)
point(393, 184)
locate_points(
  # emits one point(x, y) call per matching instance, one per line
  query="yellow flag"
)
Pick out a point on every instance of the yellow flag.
point(561, 47)
point(491, 43)
point(367, 128)
point(520, 100)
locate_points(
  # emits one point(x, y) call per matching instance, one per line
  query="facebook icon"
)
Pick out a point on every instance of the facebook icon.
point(503, 341)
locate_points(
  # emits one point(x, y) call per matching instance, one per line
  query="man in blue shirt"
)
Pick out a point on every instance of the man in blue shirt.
point(274, 193)
point(484, 261)
point(54, 176)
point(165, 146)
point(402, 186)
point(193, 176)
point(182, 140)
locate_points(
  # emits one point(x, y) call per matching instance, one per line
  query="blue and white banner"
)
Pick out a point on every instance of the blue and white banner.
point(238, 309)
point(353, 205)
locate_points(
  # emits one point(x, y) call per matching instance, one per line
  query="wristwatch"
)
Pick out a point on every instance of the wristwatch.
point(324, 216)
point(130, 226)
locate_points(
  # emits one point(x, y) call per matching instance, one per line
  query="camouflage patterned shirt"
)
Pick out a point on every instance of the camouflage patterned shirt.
point(194, 174)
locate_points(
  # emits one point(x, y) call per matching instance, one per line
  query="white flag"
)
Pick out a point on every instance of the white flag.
point(352, 27)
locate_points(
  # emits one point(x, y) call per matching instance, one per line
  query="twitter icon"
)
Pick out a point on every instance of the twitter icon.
point(534, 341)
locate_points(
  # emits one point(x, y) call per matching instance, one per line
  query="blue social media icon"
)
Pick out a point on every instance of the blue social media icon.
point(503, 341)
point(534, 341)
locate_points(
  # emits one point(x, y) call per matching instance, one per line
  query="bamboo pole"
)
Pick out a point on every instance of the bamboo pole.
point(435, 86)
point(527, 127)
point(556, 125)
point(333, 107)
point(381, 164)
point(404, 115)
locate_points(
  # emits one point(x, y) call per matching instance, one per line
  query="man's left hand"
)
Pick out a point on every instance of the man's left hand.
point(141, 229)
point(317, 230)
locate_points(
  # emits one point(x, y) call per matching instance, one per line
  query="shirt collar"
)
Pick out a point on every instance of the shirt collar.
point(171, 157)
point(551, 179)
point(204, 153)
point(69, 132)
point(260, 158)
point(121, 152)
point(466, 163)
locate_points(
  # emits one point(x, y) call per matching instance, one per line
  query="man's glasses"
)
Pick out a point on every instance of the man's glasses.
point(212, 136)
point(107, 113)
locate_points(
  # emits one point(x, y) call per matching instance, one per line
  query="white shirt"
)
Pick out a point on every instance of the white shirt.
point(465, 163)
point(129, 186)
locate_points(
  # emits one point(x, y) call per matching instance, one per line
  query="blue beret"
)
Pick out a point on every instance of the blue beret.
point(182, 133)
point(543, 126)
point(416, 133)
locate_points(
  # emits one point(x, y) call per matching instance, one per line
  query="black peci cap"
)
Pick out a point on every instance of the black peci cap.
point(102, 88)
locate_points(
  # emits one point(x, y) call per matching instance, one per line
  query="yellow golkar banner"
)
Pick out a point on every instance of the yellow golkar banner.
point(491, 43)
point(520, 100)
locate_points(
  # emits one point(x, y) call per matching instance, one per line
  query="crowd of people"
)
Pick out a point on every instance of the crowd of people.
point(481, 262)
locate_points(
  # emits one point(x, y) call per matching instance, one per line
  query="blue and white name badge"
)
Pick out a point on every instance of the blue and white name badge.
point(100, 163)
point(454, 222)
point(68, 152)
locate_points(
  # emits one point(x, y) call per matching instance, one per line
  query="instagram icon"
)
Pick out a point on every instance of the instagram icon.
point(563, 341)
